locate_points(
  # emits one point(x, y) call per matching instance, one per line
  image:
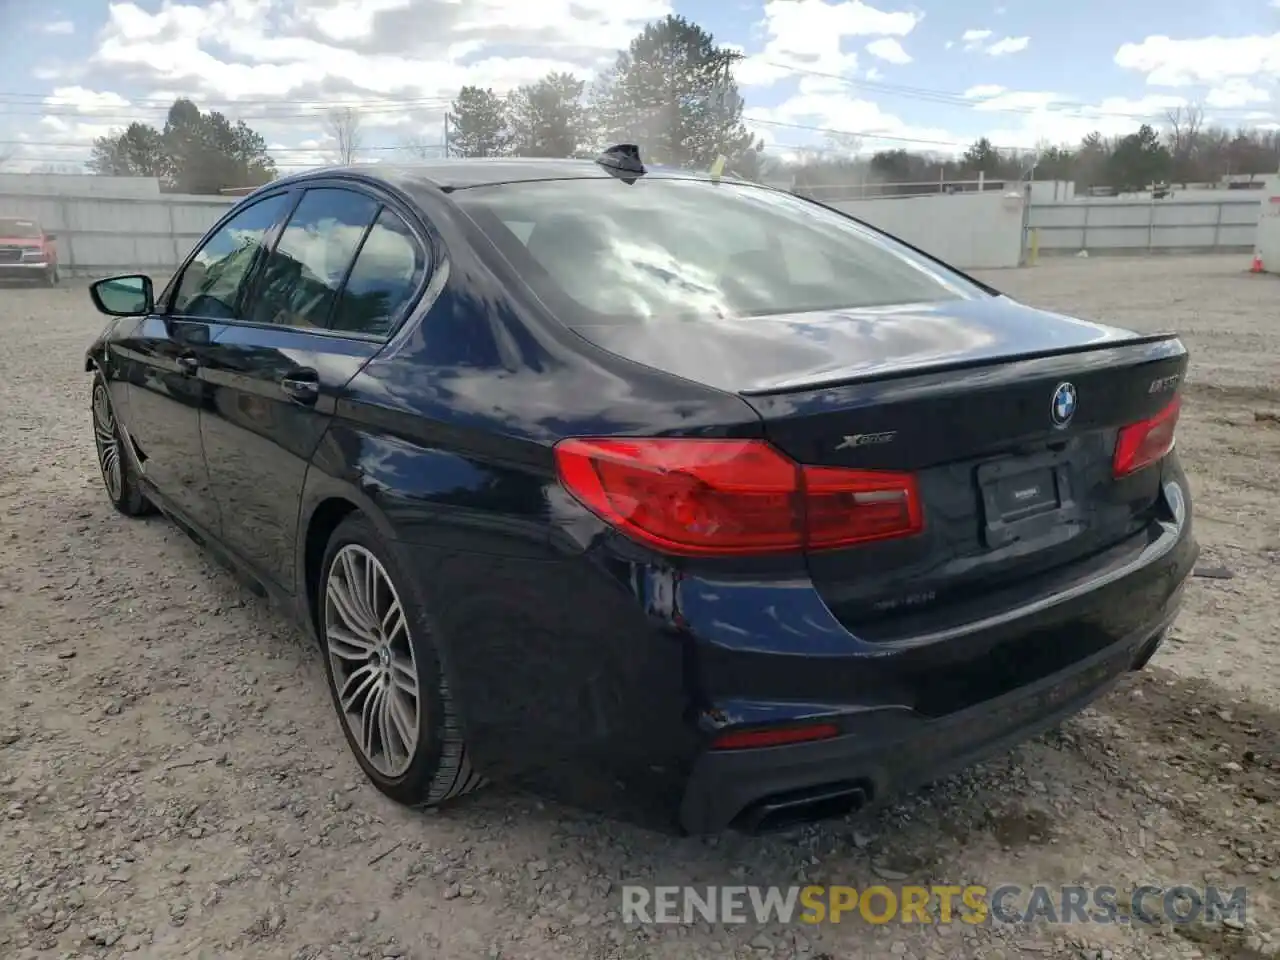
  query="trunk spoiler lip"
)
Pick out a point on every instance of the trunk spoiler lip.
point(836, 380)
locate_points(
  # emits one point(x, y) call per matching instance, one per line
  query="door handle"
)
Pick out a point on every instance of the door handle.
point(302, 386)
point(188, 364)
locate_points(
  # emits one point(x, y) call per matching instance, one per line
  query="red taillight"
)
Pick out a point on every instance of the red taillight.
point(774, 737)
point(1143, 443)
point(709, 497)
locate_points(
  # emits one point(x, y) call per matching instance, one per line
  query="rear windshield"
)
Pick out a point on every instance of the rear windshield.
point(601, 251)
point(29, 229)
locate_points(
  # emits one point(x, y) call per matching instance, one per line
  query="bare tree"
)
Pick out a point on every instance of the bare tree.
point(343, 125)
point(844, 144)
point(1185, 126)
point(420, 148)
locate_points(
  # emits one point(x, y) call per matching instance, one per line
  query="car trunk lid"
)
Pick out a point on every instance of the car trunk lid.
point(962, 394)
point(1013, 460)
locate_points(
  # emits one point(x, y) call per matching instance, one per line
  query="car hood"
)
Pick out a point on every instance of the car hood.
point(781, 352)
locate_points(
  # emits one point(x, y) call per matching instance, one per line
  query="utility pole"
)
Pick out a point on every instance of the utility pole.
point(725, 59)
point(446, 135)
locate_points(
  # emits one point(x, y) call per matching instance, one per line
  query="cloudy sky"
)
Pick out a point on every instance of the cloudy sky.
point(928, 74)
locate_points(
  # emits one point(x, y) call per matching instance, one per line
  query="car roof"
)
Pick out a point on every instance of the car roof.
point(461, 173)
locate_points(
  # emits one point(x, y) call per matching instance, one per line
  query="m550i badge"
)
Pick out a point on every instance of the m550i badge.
point(854, 440)
point(1164, 383)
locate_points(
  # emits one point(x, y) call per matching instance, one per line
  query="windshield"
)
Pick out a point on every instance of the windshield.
point(601, 251)
point(24, 229)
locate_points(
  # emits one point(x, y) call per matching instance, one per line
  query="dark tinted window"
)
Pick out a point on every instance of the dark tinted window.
point(211, 284)
point(603, 251)
point(301, 279)
point(388, 270)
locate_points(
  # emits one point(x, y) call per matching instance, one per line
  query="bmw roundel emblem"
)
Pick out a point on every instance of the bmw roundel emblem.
point(1064, 404)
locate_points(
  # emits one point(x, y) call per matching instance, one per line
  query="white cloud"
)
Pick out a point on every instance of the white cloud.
point(1007, 45)
point(860, 125)
point(808, 35)
point(283, 49)
point(983, 91)
point(1236, 92)
point(81, 101)
point(873, 74)
point(1056, 119)
point(1179, 63)
point(976, 40)
point(888, 50)
point(58, 27)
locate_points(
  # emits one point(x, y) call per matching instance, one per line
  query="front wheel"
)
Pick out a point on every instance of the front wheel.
point(117, 470)
point(384, 673)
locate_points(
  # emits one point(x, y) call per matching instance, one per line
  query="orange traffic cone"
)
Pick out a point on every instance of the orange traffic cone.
point(1256, 267)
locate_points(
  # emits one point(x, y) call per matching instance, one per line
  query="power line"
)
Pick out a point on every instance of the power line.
point(384, 105)
point(950, 98)
point(387, 109)
point(864, 134)
point(163, 103)
point(761, 121)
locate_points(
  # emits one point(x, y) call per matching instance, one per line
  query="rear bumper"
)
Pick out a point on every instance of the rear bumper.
point(886, 751)
point(24, 269)
point(963, 697)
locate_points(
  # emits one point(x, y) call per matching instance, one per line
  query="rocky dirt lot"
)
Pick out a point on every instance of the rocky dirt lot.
point(173, 782)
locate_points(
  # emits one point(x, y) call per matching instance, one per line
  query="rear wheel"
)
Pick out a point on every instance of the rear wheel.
point(384, 673)
point(118, 475)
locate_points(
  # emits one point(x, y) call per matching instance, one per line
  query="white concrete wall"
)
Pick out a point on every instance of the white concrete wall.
point(1051, 191)
point(1267, 242)
point(99, 235)
point(967, 230)
point(78, 185)
point(1227, 223)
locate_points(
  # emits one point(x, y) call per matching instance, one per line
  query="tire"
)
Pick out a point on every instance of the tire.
point(371, 668)
point(116, 466)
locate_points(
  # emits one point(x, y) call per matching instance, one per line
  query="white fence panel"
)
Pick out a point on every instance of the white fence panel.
point(100, 235)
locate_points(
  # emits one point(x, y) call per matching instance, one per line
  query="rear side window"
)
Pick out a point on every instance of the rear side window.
point(601, 251)
point(301, 278)
point(386, 274)
point(214, 279)
point(20, 229)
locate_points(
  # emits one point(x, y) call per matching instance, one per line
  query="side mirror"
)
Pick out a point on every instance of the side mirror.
point(127, 296)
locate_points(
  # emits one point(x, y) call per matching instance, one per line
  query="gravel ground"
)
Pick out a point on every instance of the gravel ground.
point(173, 782)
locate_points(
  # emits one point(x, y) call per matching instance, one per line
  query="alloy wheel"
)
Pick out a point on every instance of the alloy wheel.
point(371, 660)
point(107, 441)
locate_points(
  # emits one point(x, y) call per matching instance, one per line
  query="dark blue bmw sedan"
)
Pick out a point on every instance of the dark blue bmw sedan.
point(683, 482)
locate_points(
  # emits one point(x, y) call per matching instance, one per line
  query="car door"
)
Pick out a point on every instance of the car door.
point(314, 317)
point(162, 358)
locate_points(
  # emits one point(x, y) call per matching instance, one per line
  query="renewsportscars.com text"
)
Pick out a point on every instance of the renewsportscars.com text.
point(941, 904)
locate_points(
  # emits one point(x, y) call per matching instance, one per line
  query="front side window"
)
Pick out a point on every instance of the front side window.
point(302, 275)
point(602, 251)
point(211, 284)
point(387, 273)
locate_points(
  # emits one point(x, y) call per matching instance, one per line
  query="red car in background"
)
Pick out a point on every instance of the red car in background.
point(27, 251)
